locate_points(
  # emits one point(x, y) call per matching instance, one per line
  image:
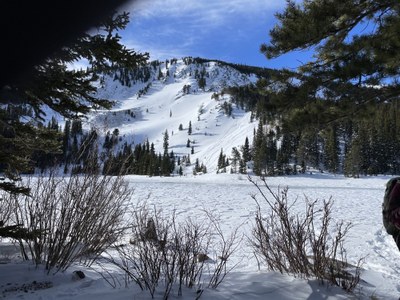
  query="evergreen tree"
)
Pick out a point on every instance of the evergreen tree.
point(242, 167)
point(331, 150)
point(166, 160)
point(76, 127)
point(287, 152)
point(66, 91)
point(190, 128)
point(180, 172)
point(235, 161)
point(353, 161)
point(43, 158)
point(348, 67)
point(221, 160)
point(308, 149)
point(201, 82)
point(88, 152)
point(107, 141)
point(260, 151)
point(114, 137)
point(166, 143)
point(358, 157)
point(271, 152)
point(246, 150)
point(197, 166)
point(160, 74)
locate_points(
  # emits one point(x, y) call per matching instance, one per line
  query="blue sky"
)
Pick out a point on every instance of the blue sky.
point(228, 30)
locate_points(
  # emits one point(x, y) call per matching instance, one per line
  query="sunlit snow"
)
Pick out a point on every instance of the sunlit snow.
point(229, 196)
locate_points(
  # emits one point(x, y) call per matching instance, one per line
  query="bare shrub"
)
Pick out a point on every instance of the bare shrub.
point(5, 209)
point(225, 248)
point(174, 255)
point(74, 218)
point(301, 244)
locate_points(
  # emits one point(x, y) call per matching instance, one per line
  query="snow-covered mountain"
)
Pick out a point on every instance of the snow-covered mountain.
point(166, 96)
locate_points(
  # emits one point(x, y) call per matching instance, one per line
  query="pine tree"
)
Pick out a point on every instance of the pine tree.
point(166, 160)
point(242, 167)
point(180, 172)
point(286, 153)
point(66, 91)
point(166, 143)
point(307, 150)
point(353, 161)
point(246, 150)
point(197, 165)
point(201, 82)
point(76, 127)
point(259, 150)
point(107, 141)
point(271, 152)
point(346, 66)
point(160, 74)
point(331, 149)
point(221, 160)
point(190, 128)
point(235, 161)
point(358, 157)
point(114, 137)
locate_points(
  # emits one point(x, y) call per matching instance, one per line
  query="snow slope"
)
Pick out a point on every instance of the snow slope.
point(165, 106)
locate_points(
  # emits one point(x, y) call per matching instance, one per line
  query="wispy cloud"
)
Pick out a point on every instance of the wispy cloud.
point(175, 28)
point(204, 9)
point(165, 51)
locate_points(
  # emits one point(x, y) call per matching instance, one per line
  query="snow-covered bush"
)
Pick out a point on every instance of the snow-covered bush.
point(74, 218)
point(304, 244)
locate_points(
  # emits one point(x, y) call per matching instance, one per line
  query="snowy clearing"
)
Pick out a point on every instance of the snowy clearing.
point(229, 197)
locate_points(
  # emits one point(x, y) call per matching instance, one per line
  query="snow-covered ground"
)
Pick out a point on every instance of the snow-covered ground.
point(165, 107)
point(229, 197)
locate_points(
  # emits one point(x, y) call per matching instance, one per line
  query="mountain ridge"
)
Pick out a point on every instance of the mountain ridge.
point(173, 94)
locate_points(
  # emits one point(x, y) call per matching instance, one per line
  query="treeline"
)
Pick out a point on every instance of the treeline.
point(298, 140)
point(87, 152)
point(77, 152)
point(245, 69)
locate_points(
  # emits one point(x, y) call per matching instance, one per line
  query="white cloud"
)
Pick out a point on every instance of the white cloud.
point(176, 28)
point(202, 10)
point(167, 51)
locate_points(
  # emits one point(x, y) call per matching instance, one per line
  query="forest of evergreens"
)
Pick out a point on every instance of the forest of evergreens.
point(363, 143)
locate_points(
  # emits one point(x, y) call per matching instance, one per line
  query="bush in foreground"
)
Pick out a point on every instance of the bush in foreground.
point(73, 218)
point(167, 254)
point(301, 244)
